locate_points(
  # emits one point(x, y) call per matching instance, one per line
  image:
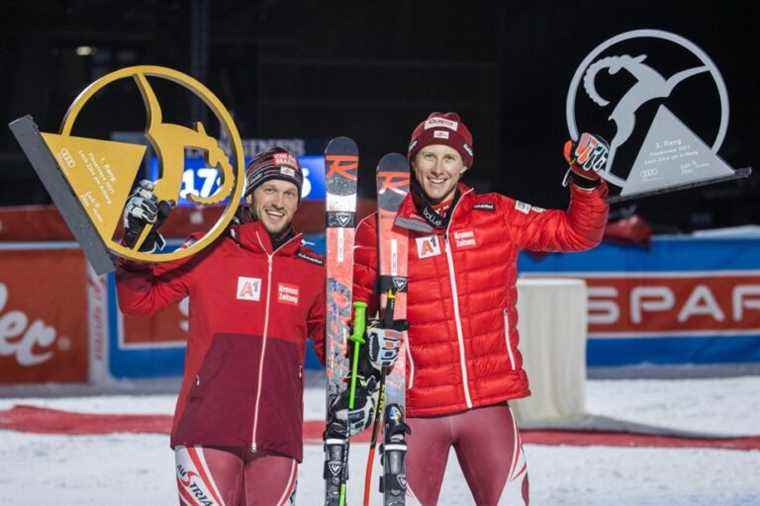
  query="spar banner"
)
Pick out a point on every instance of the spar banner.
point(680, 301)
point(43, 329)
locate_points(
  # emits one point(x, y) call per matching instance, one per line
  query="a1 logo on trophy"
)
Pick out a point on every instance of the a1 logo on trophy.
point(90, 179)
point(671, 156)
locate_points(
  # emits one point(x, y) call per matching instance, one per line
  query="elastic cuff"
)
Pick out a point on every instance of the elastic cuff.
point(133, 266)
point(586, 184)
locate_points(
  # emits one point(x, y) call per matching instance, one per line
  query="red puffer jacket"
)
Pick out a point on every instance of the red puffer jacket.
point(251, 310)
point(462, 349)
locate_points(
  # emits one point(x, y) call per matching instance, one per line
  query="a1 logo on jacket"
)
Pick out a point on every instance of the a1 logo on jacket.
point(428, 246)
point(248, 288)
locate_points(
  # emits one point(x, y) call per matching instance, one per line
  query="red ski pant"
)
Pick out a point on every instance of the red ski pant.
point(489, 450)
point(233, 477)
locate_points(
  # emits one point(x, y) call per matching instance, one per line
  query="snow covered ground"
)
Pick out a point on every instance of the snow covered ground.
point(138, 469)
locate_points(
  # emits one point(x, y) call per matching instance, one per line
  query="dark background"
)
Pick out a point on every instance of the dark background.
point(373, 70)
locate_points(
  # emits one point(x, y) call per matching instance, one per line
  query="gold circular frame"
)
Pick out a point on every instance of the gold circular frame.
point(221, 113)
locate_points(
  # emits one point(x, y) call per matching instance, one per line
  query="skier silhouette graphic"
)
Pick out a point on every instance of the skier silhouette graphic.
point(650, 85)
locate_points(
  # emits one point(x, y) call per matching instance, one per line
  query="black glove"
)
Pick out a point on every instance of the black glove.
point(359, 418)
point(144, 208)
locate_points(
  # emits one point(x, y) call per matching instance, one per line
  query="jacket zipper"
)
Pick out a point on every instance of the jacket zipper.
point(455, 301)
point(410, 360)
point(263, 352)
point(508, 341)
point(264, 338)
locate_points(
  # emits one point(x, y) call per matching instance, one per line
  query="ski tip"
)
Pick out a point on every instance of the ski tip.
point(342, 146)
point(394, 162)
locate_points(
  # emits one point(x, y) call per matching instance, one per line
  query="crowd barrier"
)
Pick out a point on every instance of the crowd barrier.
point(553, 346)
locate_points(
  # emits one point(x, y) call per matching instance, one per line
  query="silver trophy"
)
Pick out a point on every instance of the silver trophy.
point(672, 157)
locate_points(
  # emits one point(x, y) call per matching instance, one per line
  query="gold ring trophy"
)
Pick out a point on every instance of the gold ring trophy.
point(90, 180)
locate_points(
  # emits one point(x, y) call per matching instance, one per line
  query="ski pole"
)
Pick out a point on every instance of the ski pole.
point(357, 337)
point(373, 444)
point(388, 323)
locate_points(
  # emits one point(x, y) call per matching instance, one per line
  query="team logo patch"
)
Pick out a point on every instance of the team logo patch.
point(465, 239)
point(399, 283)
point(248, 288)
point(432, 217)
point(441, 122)
point(343, 219)
point(287, 171)
point(285, 159)
point(195, 486)
point(485, 206)
point(522, 207)
point(428, 246)
point(334, 467)
point(185, 477)
point(440, 134)
point(309, 258)
point(287, 294)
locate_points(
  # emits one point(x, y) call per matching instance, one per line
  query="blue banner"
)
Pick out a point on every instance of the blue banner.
point(198, 179)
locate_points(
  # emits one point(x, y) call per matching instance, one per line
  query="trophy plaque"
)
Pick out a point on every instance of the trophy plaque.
point(671, 157)
point(90, 180)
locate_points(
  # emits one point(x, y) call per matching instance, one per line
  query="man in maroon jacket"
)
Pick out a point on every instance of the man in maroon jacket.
point(255, 295)
point(463, 362)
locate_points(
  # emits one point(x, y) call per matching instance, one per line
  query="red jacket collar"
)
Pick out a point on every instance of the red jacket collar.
point(409, 218)
point(253, 236)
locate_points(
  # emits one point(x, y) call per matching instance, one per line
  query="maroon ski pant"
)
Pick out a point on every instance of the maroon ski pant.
point(233, 477)
point(489, 450)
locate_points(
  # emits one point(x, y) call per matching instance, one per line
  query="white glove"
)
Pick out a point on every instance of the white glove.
point(383, 345)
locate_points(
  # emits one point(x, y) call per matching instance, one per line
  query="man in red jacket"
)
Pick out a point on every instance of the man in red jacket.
point(255, 295)
point(463, 361)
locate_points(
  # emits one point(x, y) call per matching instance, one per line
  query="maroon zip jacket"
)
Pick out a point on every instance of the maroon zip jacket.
point(251, 310)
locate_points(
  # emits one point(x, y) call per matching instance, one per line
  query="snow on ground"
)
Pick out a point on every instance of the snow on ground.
point(714, 405)
point(129, 469)
point(138, 469)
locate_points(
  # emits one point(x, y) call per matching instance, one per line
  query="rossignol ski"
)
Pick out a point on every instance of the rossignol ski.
point(341, 168)
point(393, 245)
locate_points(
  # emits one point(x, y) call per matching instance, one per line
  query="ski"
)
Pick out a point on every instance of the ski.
point(341, 170)
point(393, 245)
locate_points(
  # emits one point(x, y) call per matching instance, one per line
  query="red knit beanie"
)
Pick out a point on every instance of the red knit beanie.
point(443, 128)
